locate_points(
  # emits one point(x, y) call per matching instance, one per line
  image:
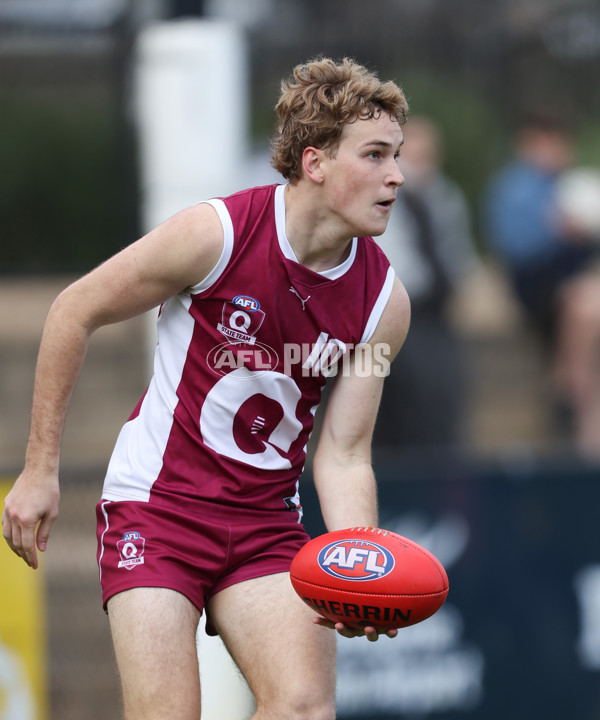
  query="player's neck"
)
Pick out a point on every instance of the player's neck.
point(316, 239)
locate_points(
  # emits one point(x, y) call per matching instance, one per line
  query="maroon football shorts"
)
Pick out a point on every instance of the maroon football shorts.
point(195, 547)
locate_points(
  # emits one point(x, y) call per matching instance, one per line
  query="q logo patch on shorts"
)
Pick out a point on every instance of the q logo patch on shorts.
point(131, 550)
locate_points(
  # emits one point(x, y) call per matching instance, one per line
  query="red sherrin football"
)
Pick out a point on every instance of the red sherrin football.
point(369, 576)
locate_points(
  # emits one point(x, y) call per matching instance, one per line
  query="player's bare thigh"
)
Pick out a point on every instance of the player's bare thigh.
point(154, 636)
point(287, 660)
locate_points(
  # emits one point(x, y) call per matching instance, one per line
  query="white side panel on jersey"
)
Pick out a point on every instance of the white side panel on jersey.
point(218, 269)
point(379, 306)
point(138, 455)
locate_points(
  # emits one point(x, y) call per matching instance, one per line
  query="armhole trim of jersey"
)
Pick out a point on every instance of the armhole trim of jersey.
point(380, 303)
point(222, 262)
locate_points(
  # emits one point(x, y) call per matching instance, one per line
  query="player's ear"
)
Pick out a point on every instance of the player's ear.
point(311, 164)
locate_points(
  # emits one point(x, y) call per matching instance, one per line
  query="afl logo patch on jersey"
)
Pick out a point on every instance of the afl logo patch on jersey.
point(246, 302)
point(356, 560)
point(241, 318)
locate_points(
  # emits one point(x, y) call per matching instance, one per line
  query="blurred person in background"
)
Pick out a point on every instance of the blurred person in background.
point(549, 258)
point(429, 244)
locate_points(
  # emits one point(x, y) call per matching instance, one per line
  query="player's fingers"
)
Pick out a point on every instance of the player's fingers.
point(11, 531)
point(319, 620)
point(342, 629)
point(349, 631)
point(7, 530)
point(43, 533)
point(27, 545)
point(371, 634)
point(21, 538)
point(324, 622)
point(16, 539)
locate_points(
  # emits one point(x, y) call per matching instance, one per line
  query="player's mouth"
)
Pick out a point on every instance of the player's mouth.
point(386, 204)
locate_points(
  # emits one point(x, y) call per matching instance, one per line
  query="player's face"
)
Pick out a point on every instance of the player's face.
point(362, 178)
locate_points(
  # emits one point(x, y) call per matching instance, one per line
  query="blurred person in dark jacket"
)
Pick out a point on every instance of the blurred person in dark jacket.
point(429, 244)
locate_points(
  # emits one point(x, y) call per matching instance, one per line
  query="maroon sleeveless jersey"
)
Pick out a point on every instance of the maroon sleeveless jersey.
point(241, 361)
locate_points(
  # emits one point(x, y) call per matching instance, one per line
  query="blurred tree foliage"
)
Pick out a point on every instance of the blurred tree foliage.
point(469, 129)
point(60, 195)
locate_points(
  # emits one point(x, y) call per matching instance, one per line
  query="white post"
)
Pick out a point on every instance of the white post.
point(191, 106)
point(225, 693)
point(191, 113)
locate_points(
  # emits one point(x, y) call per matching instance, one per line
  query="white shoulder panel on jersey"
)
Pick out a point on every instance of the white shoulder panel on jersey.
point(218, 269)
point(379, 306)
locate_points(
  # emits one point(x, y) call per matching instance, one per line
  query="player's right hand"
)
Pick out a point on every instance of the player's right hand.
point(30, 508)
point(350, 631)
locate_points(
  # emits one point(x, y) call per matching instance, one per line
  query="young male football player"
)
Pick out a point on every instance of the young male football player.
point(260, 293)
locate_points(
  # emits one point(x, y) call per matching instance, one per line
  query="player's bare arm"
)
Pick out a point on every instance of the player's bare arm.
point(342, 465)
point(177, 254)
point(343, 472)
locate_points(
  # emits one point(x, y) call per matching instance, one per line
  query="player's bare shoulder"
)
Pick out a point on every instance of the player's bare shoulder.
point(193, 238)
point(179, 253)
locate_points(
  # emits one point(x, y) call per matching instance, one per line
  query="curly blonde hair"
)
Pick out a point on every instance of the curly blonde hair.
point(318, 100)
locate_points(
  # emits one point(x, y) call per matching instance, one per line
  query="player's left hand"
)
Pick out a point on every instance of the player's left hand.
point(349, 631)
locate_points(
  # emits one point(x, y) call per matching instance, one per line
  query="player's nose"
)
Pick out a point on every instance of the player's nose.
point(396, 177)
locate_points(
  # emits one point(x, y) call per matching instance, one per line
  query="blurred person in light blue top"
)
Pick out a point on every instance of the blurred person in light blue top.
point(524, 227)
point(520, 201)
point(549, 259)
